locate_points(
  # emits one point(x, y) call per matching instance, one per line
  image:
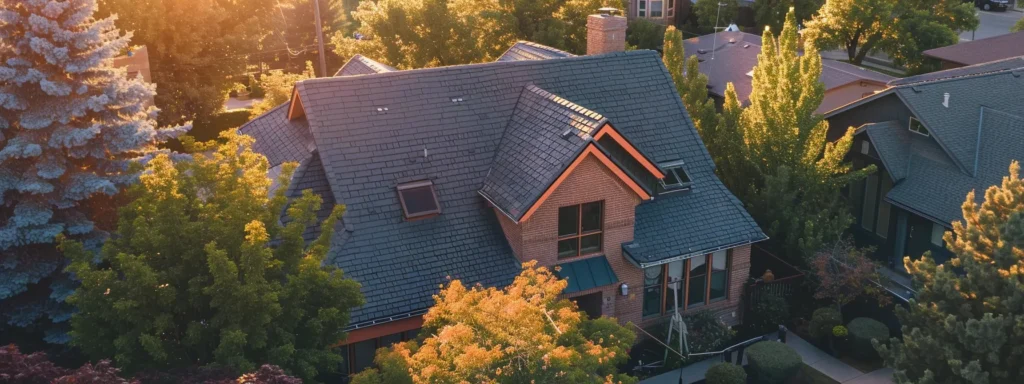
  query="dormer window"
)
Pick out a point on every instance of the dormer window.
point(676, 178)
point(918, 128)
point(418, 199)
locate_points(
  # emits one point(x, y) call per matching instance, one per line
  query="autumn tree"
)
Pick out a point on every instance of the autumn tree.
point(690, 83)
point(964, 323)
point(70, 127)
point(724, 144)
point(772, 13)
point(843, 273)
point(190, 278)
point(790, 175)
point(525, 332)
point(710, 14)
point(890, 26)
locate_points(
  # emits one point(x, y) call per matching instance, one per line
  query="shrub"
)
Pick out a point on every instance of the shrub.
point(822, 322)
point(773, 362)
point(768, 312)
point(645, 34)
point(725, 373)
point(862, 330)
point(706, 333)
point(840, 331)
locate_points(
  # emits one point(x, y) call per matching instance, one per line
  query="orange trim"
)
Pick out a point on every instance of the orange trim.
point(607, 129)
point(591, 150)
point(295, 110)
point(385, 329)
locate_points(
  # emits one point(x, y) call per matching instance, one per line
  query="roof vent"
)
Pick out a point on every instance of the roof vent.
point(702, 51)
point(610, 11)
point(382, 110)
point(457, 100)
point(916, 89)
point(732, 40)
point(746, 45)
point(567, 134)
point(945, 99)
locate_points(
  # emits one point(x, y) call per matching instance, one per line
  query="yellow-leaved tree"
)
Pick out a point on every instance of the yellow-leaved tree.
point(525, 332)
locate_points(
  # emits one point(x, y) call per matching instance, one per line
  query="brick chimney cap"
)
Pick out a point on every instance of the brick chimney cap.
point(610, 11)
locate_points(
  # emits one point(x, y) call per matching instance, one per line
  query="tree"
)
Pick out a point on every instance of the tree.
point(70, 125)
point(863, 26)
point(723, 142)
point(190, 278)
point(790, 175)
point(644, 34)
point(525, 332)
point(844, 273)
point(772, 13)
point(964, 323)
point(278, 87)
point(1018, 27)
point(920, 32)
point(691, 84)
point(710, 15)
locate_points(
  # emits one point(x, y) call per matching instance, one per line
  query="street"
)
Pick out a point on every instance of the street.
point(992, 24)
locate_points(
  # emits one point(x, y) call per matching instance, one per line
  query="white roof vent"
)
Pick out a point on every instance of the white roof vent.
point(945, 99)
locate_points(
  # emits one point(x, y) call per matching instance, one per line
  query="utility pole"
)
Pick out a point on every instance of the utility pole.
point(320, 37)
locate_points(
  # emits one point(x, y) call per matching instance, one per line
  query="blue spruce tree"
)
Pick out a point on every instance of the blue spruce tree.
point(71, 125)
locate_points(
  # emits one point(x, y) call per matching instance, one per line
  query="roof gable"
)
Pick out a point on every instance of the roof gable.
point(526, 50)
point(362, 65)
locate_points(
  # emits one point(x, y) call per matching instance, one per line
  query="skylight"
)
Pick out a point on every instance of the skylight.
point(418, 199)
point(676, 178)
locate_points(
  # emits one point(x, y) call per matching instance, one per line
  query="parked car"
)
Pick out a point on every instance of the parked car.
point(991, 5)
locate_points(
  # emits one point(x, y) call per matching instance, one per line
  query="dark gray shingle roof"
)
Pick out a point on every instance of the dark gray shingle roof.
point(362, 65)
point(310, 175)
point(533, 151)
point(972, 70)
point(526, 50)
point(279, 139)
point(374, 132)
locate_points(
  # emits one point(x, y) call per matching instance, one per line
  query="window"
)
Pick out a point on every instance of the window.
point(418, 199)
point(917, 127)
point(676, 178)
point(579, 229)
point(656, 8)
point(695, 282)
point(359, 356)
point(937, 232)
point(670, 8)
point(362, 354)
point(652, 290)
point(865, 147)
point(641, 8)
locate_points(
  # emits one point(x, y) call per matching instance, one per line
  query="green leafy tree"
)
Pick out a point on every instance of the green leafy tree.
point(964, 325)
point(772, 13)
point(70, 127)
point(644, 34)
point(709, 14)
point(863, 26)
point(791, 175)
point(724, 143)
point(278, 86)
point(691, 83)
point(190, 278)
point(525, 332)
point(1018, 27)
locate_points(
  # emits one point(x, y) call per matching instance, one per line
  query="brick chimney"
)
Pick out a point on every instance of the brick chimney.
point(606, 32)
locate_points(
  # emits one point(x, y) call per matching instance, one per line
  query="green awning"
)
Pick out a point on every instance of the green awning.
point(586, 274)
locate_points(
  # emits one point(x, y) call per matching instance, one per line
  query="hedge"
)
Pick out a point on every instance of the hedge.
point(822, 322)
point(725, 373)
point(862, 330)
point(772, 362)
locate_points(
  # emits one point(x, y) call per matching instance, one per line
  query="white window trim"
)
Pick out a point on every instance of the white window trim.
point(661, 10)
point(910, 127)
point(641, 11)
point(937, 230)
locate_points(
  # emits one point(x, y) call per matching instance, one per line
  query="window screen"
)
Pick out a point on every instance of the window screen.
point(418, 199)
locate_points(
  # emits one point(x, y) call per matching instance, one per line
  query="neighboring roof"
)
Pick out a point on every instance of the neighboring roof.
point(525, 50)
point(735, 55)
point(972, 70)
point(981, 51)
point(278, 138)
point(446, 124)
point(586, 274)
point(534, 152)
point(362, 65)
point(310, 175)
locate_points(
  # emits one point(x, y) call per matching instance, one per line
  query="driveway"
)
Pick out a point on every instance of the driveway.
point(992, 24)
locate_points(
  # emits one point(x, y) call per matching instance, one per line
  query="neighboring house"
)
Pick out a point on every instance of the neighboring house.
point(526, 50)
point(136, 63)
point(589, 164)
point(934, 138)
point(658, 11)
point(979, 51)
point(735, 55)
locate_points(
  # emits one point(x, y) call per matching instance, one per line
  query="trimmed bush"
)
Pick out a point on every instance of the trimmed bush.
point(768, 312)
point(862, 330)
point(823, 321)
point(725, 373)
point(707, 333)
point(773, 362)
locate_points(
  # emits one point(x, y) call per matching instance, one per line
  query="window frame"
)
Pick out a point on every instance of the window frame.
point(350, 360)
point(641, 8)
point(666, 306)
point(660, 10)
point(580, 233)
point(677, 170)
point(414, 185)
point(910, 126)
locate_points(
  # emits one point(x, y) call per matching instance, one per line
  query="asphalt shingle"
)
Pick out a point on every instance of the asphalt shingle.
point(279, 139)
point(526, 50)
point(362, 65)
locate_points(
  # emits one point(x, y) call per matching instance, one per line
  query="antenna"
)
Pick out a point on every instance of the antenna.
point(714, 40)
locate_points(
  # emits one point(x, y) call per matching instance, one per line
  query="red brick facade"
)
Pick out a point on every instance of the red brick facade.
point(537, 239)
point(605, 34)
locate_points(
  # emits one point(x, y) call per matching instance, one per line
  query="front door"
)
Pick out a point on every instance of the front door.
point(590, 304)
point(919, 237)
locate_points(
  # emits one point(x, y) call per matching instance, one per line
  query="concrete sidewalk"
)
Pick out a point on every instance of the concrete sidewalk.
point(812, 356)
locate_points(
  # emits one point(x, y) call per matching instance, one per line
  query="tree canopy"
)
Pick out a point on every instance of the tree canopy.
point(964, 323)
point(278, 86)
point(901, 29)
point(772, 13)
point(690, 83)
point(70, 126)
point(709, 14)
point(1018, 27)
point(190, 279)
point(525, 332)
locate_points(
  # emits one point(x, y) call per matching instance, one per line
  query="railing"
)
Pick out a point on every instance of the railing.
point(788, 278)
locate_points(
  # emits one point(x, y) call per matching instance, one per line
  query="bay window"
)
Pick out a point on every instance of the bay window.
point(693, 282)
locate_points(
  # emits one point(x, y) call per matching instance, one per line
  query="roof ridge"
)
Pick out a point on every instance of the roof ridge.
point(897, 83)
point(564, 103)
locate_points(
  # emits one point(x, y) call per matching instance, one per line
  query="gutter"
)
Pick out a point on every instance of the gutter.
point(384, 320)
point(693, 254)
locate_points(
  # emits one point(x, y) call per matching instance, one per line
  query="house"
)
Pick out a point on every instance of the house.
point(934, 138)
point(589, 164)
point(734, 56)
point(658, 11)
point(978, 51)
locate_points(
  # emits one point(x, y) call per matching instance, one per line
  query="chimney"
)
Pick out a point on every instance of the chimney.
point(606, 32)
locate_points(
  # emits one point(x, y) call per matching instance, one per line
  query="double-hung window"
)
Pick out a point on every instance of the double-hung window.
point(580, 229)
point(693, 282)
point(641, 8)
point(656, 8)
